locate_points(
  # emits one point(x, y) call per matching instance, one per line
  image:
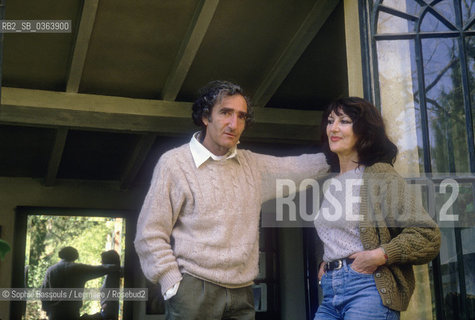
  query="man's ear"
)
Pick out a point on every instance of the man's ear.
point(205, 120)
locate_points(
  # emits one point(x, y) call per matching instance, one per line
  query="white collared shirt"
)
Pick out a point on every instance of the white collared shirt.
point(200, 153)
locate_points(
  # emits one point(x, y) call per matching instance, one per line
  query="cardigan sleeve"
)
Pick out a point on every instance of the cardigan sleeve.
point(414, 238)
point(157, 217)
point(289, 170)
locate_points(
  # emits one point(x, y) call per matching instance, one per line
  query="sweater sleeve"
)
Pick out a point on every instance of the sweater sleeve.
point(415, 237)
point(157, 217)
point(289, 170)
point(90, 272)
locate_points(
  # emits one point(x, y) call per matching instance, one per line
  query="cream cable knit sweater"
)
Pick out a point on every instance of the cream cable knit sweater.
point(204, 221)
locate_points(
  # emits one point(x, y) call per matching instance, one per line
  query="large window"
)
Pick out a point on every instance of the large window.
point(42, 232)
point(420, 70)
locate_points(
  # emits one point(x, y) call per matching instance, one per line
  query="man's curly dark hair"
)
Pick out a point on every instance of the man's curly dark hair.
point(68, 254)
point(211, 95)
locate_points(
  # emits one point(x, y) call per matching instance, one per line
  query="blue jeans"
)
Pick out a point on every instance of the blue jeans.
point(351, 295)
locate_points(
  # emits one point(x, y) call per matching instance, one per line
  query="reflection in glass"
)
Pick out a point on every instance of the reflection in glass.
point(468, 240)
point(470, 45)
point(446, 9)
point(468, 10)
point(430, 67)
point(397, 101)
point(417, 107)
point(449, 274)
point(431, 23)
point(90, 235)
point(445, 106)
point(388, 23)
point(408, 6)
point(454, 207)
point(456, 263)
point(450, 262)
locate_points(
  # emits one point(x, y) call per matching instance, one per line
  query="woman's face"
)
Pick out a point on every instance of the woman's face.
point(341, 137)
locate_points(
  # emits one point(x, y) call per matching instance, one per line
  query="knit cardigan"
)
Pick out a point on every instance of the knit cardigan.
point(205, 221)
point(396, 221)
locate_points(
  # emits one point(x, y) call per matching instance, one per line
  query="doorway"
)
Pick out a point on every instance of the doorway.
point(42, 232)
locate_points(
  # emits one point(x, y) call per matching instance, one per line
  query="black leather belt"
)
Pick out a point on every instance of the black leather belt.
point(337, 264)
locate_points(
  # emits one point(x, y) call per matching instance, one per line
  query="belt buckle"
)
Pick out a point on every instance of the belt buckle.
point(340, 264)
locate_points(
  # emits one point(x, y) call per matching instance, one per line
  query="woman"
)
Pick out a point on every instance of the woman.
point(110, 308)
point(109, 304)
point(372, 228)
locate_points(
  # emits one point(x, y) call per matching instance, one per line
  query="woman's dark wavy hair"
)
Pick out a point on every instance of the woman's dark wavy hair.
point(110, 257)
point(212, 94)
point(373, 144)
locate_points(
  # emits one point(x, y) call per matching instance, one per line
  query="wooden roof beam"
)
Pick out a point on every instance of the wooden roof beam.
point(78, 60)
point(56, 155)
point(137, 159)
point(189, 47)
point(107, 113)
point(315, 19)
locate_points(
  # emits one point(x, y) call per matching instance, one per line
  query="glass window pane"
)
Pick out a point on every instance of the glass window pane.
point(451, 264)
point(431, 23)
point(454, 207)
point(468, 241)
point(445, 106)
point(388, 23)
point(468, 10)
point(395, 67)
point(470, 47)
point(91, 235)
point(417, 107)
point(400, 91)
point(446, 9)
point(449, 274)
point(408, 6)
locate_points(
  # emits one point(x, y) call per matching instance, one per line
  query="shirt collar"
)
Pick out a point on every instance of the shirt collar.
point(200, 153)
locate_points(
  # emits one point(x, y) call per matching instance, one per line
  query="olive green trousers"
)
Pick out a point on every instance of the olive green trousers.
point(199, 299)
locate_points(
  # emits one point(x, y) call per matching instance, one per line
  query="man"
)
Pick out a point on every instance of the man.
point(197, 233)
point(68, 274)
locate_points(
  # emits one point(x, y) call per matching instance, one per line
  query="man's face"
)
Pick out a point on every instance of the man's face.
point(226, 124)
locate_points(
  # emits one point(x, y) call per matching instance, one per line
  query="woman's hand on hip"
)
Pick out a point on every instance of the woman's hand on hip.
point(367, 261)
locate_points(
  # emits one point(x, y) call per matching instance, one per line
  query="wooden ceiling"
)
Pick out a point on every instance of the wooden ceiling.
point(104, 101)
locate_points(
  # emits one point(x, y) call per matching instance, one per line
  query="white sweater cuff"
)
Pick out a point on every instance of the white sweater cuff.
point(172, 291)
point(170, 279)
